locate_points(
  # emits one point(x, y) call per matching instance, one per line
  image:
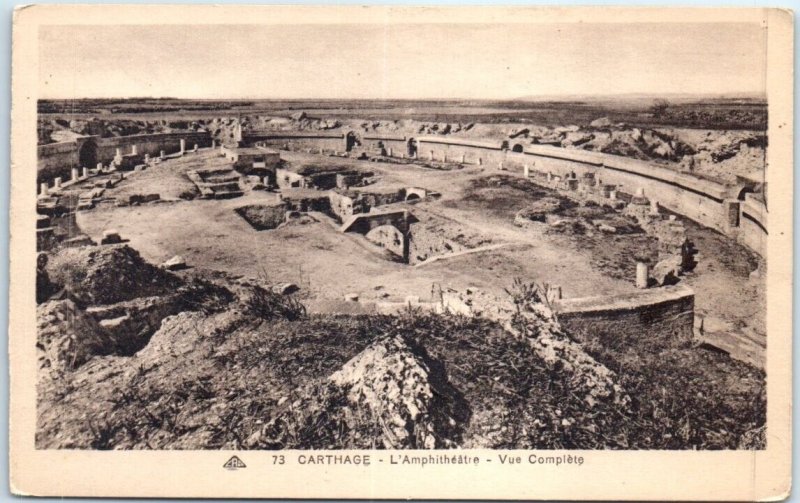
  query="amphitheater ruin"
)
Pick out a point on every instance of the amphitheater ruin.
point(358, 222)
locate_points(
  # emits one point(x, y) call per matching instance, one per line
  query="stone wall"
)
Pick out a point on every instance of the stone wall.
point(621, 320)
point(700, 200)
point(58, 159)
point(753, 224)
point(151, 144)
point(316, 142)
point(342, 205)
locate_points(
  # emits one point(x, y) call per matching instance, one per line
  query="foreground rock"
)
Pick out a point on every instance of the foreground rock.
point(532, 320)
point(383, 396)
point(67, 338)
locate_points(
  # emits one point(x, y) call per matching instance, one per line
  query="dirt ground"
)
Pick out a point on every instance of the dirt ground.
point(324, 262)
point(327, 264)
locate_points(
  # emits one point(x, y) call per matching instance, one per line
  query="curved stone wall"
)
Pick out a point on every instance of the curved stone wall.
point(58, 159)
point(708, 203)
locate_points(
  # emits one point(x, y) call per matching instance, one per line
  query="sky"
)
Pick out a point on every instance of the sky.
point(414, 61)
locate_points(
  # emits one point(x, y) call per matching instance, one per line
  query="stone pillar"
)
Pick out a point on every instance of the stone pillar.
point(147, 158)
point(75, 174)
point(642, 274)
point(183, 146)
point(43, 188)
point(500, 165)
point(390, 152)
point(612, 195)
point(653, 207)
point(99, 166)
point(118, 153)
point(463, 158)
point(732, 211)
point(640, 192)
point(162, 155)
point(213, 143)
point(553, 293)
point(480, 161)
point(526, 171)
point(85, 172)
point(444, 157)
point(57, 183)
point(430, 155)
point(134, 149)
point(195, 148)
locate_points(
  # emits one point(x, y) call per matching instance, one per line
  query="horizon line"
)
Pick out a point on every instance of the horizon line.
point(517, 98)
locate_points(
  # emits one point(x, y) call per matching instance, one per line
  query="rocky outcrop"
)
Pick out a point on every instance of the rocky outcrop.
point(67, 337)
point(384, 396)
point(531, 319)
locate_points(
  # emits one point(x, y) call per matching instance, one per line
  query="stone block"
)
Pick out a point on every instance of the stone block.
point(176, 263)
point(110, 237)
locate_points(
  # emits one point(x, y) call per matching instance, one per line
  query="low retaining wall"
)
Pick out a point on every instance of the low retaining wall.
point(619, 320)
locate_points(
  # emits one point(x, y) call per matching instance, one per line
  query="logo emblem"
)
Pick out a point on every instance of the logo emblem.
point(234, 463)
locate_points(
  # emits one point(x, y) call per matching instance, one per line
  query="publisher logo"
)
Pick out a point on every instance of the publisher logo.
point(234, 463)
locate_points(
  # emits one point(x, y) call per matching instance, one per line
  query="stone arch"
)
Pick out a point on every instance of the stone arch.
point(742, 191)
point(412, 147)
point(517, 148)
point(87, 154)
point(351, 140)
point(414, 193)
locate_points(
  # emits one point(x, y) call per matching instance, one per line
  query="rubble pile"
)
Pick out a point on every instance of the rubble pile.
point(108, 274)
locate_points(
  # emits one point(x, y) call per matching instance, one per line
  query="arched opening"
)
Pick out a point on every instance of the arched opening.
point(87, 155)
point(504, 145)
point(744, 190)
point(517, 148)
point(412, 147)
point(351, 141)
point(412, 196)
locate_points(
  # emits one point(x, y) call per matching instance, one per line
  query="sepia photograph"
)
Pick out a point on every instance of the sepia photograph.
point(335, 237)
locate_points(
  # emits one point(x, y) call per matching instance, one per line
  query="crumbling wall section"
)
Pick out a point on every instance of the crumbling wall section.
point(665, 313)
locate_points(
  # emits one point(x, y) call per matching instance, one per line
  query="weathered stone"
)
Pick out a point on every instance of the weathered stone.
point(642, 275)
point(78, 241)
point(42, 221)
point(110, 236)
point(667, 271)
point(174, 264)
point(285, 288)
point(351, 297)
